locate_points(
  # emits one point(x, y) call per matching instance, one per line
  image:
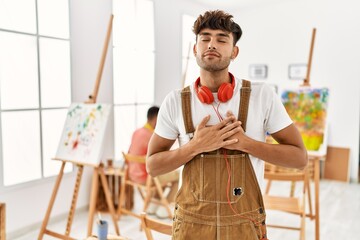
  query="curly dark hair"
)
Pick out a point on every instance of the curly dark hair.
point(217, 19)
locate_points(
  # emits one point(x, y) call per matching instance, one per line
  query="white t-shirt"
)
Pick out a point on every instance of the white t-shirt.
point(266, 114)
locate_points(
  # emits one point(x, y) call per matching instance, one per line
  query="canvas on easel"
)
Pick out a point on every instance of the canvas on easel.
point(307, 107)
point(83, 134)
point(81, 143)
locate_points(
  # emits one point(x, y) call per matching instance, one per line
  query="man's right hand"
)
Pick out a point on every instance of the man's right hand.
point(209, 138)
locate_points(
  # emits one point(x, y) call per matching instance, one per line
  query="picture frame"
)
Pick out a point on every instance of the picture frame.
point(297, 71)
point(258, 71)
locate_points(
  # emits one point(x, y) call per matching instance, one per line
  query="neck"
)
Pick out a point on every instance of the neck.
point(149, 126)
point(213, 80)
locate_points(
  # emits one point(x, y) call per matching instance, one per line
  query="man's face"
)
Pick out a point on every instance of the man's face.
point(214, 49)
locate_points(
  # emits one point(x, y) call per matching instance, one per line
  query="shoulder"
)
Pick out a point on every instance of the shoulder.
point(173, 96)
point(172, 101)
point(141, 132)
point(169, 115)
point(260, 86)
point(262, 90)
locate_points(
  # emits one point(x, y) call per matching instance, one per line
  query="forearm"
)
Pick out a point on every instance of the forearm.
point(166, 161)
point(286, 155)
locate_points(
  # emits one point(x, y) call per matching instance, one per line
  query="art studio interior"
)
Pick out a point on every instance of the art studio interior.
point(65, 63)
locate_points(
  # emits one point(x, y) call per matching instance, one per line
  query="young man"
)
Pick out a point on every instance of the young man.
point(224, 156)
point(137, 171)
point(139, 145)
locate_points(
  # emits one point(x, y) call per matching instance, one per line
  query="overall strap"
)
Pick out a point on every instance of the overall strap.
point(243, 106)
point(186, 111)
point(244, 102)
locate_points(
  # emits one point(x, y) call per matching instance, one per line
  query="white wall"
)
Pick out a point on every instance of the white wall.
point(26, 205)
point(168, 43)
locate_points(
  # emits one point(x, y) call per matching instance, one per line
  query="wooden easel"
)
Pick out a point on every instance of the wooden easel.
point(98, 171)
point(308, 70)
point(315, 158)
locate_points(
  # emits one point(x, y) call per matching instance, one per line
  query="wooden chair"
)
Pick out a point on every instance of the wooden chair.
point(149, 224)
point(147, 190)
point(290, 204)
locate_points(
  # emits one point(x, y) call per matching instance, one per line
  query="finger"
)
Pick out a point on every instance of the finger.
point(203, 122)
point(232, 132)
point(224, 122)
point(231, 126)
point(229, 113)
point(229, 142)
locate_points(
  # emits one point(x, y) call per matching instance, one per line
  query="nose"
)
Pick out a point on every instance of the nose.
point(212, 45)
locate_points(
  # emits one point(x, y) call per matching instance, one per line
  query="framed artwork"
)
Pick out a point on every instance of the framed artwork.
point(83, 133)
point(307, 107)
point(258, 71)
point(297, 71)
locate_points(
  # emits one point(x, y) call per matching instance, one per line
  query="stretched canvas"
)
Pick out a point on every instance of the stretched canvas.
point(83, 134)
point(307, 107)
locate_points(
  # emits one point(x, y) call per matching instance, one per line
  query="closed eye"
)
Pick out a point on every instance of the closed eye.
point(205, 39)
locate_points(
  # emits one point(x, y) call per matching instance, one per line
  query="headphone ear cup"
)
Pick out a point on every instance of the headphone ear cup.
point(225, 92)
point(205, 95)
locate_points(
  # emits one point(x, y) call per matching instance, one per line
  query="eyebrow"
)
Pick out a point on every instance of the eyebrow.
point(218, 34)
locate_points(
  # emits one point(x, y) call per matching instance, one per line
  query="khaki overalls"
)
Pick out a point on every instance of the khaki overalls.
point(202, 210)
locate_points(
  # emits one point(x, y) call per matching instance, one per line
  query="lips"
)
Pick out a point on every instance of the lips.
point(211, 54)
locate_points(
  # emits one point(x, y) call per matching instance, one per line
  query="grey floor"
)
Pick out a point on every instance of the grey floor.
point(339, 217)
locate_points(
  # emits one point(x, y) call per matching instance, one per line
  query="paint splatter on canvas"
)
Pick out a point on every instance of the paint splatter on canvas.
point(82, 138)
point(307, 107)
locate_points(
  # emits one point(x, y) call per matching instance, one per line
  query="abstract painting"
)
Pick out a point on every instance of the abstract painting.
point(307, 107)
point(83, 134)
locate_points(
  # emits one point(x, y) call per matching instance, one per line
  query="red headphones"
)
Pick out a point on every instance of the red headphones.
point(225, 91)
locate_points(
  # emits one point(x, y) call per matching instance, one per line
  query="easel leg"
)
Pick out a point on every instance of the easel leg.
point(109, 199)
point(317, 191)
point(311, 214)
point(74, 199)
point(94, 192)
point(51, 203)
point(121, 200)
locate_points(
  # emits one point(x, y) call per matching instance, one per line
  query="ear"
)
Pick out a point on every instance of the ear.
point(194, 50)
point(235, 52)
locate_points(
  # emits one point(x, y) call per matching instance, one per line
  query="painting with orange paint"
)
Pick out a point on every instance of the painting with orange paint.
point(307, 107)
point(83, 134)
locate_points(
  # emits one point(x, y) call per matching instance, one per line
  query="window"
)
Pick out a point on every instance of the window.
point(190, 68)
point(35, 87)
point(134, 65)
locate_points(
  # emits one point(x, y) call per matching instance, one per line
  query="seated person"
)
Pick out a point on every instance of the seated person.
point(137, 171)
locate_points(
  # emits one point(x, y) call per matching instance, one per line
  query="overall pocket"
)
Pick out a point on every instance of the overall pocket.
point(210, 174)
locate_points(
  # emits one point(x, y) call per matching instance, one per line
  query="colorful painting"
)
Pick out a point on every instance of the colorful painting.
point(307, 107)
point(83, 134)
